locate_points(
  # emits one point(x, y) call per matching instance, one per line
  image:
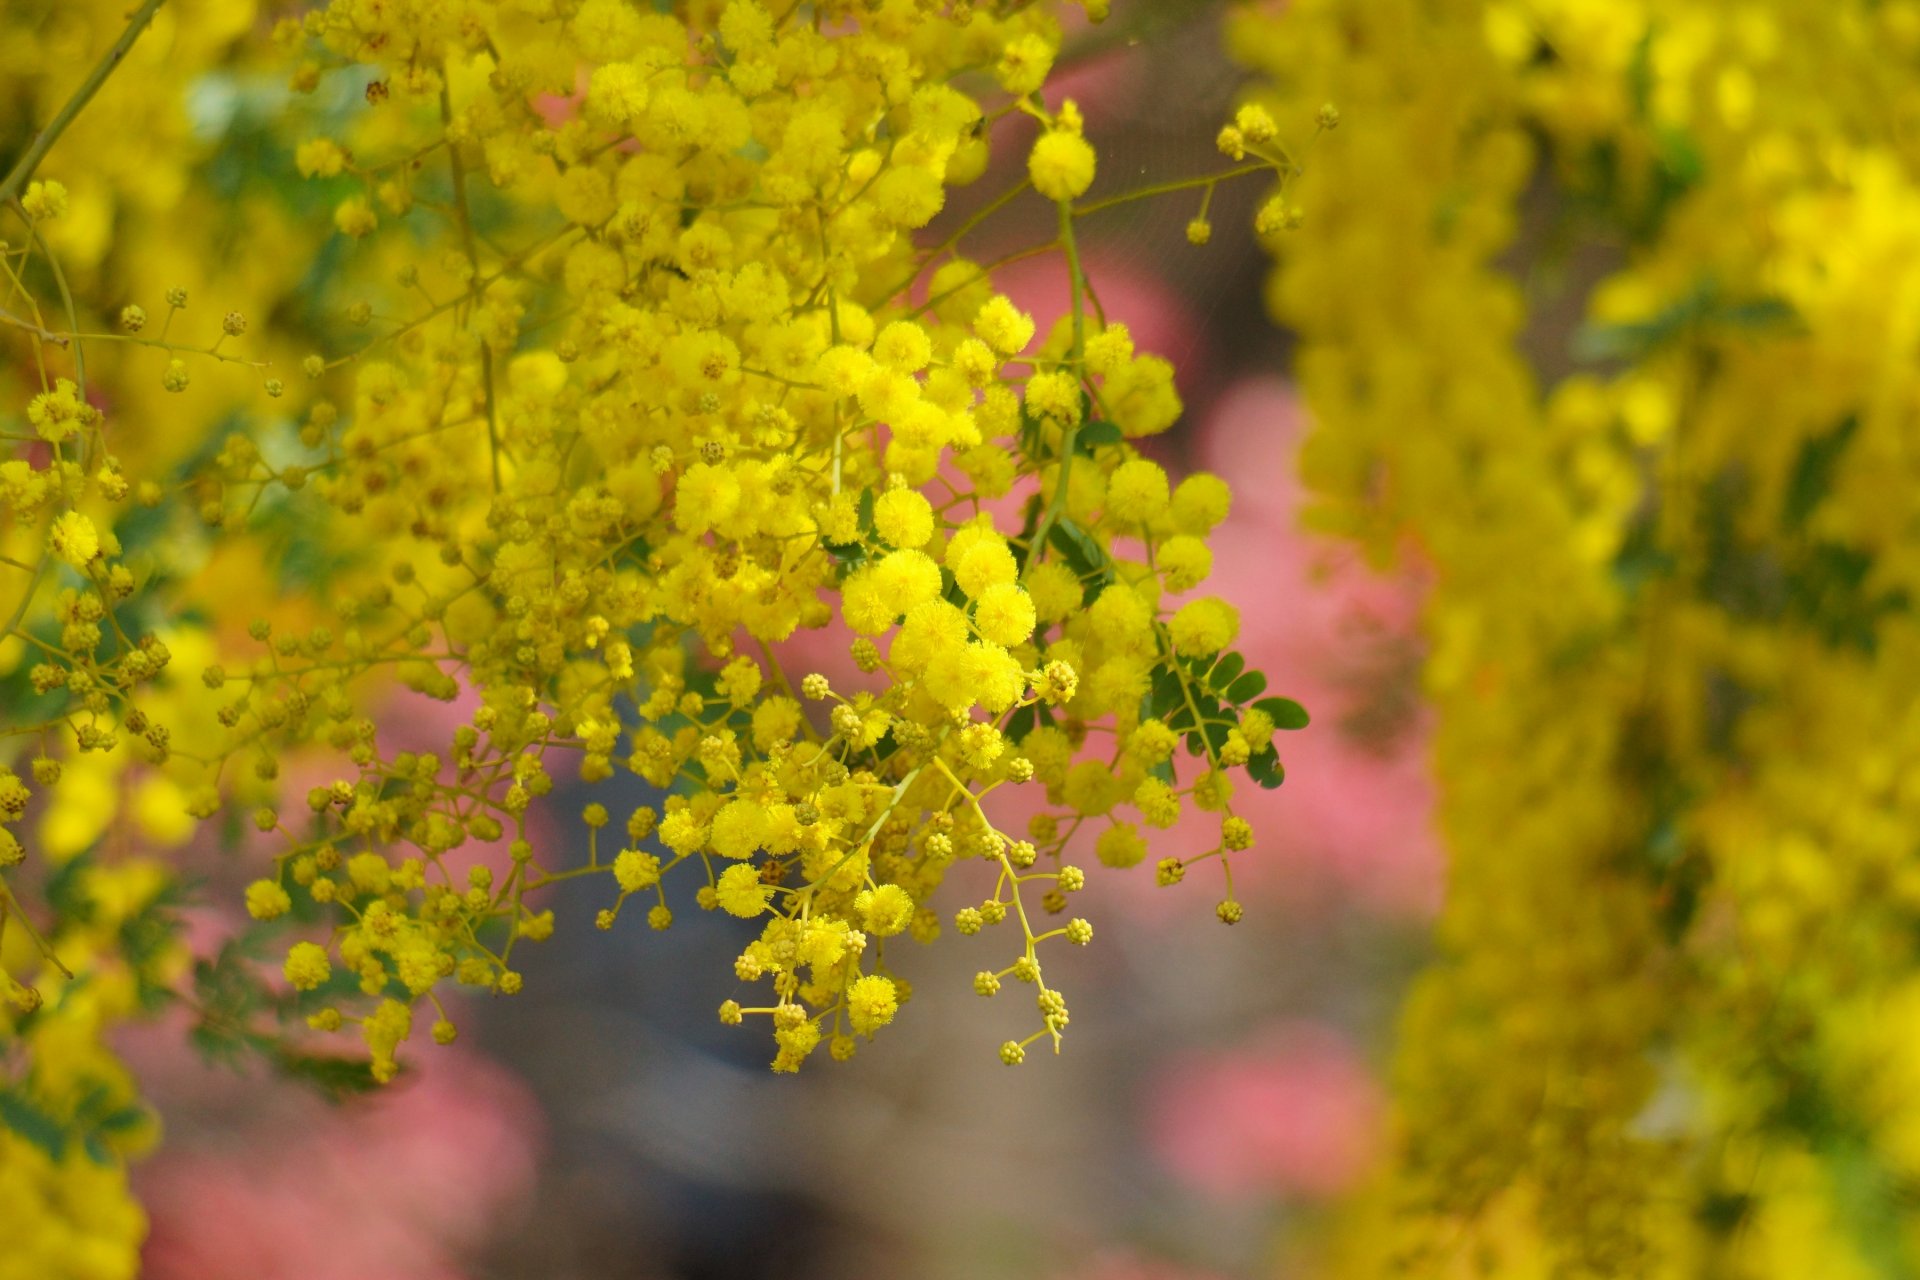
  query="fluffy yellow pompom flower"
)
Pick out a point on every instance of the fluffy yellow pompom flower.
point(745, 26)
point(871, 1003)
point(634, 870)
point(707, 496)
point(74, 539)
point(1137, 492)
point(616, 94)
point(267, 900)
point(56, 414)
point(985, 563)
point(1024, 65)
point(1201, 502)
point(319, 158)
point(739, 829)
point(741, 892)
point(886, 909)
point(1003, 326)
point(307, 966)
point(1004, 614)
point(383, 1031)
point(903, 517)
point(1204, 626)
point(1121, 845)
point(903, 347)
point(44, 200)
point(1185, 562)
point(355, 217)
point(1061, 165)
point(906, 579)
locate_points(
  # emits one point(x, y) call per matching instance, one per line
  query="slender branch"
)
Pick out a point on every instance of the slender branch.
point(464, 215)
point(19, 912)
point(37, 150)
point(45, 335)
point(1167, 188)
point(26, 598)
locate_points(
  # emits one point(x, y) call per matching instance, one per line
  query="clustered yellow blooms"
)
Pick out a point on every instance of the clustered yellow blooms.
point(89, 689)
point(1670, 1029)
point(675, 397)
point(644, 372)
point(72, 1115)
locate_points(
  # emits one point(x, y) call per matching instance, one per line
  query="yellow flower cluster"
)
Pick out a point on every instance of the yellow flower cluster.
point(686, 385)
point(89, 695)
point(71, 1115)
point(1672, 642)
point(623, 365)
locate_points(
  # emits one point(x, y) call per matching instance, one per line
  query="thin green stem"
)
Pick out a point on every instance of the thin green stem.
point(37, 150)
point(1167, 188)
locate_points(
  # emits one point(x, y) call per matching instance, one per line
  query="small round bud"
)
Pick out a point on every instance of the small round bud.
point(133, 318)
point(1229, 912)
point(1013, 1053)
point(233, 324)
point(176, 297)
point(1199, 231)
point(1328, 116)
point(276, 388)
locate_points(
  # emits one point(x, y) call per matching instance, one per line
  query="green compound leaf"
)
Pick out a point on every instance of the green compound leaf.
point(1164, 693)
point(1083, 555)
point(1249, 686)
point(1286, 713)
point(32, 1124)
point(1264, 767)
point(337, 1078)
point(1095, 435)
